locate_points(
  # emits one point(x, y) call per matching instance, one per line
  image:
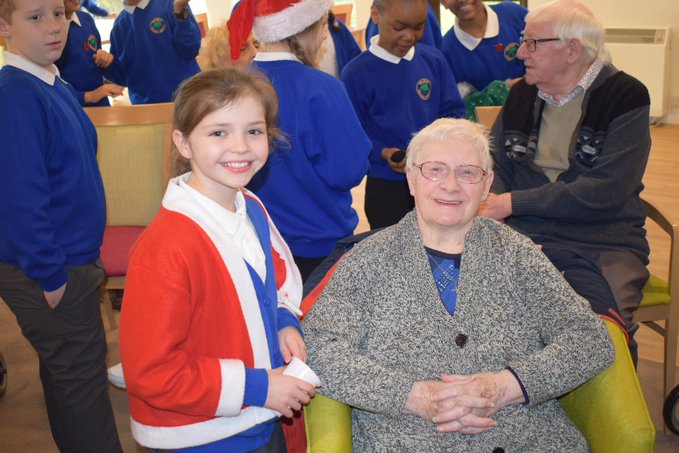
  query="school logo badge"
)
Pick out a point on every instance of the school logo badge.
point(511, 50)
point(91, 44)
point(424, 88)
point(158, 25)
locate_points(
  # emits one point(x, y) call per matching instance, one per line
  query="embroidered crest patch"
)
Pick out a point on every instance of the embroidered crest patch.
point(424, 88)
point(90, 44)
point(511, 50)
point(158, 25)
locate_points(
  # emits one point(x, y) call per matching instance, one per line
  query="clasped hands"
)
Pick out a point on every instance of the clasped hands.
point(464, 404)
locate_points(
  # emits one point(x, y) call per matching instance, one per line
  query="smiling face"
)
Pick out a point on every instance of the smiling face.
point(447, 206)
point(401, 24)
point(464, 10)
point(37, 31)
point(226, 149)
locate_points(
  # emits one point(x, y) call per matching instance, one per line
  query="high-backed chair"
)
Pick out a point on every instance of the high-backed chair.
point(133, 155)
point(609, 409)
point(660, 302)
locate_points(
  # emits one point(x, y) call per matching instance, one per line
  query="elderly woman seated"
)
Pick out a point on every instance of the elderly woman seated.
point(449, 331)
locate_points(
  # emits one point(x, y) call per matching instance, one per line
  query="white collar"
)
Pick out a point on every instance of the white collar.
point(142, 5)
point(75, 19)
point(276, 56)
point(22, 63)
point(492, 30)
point(385, 55)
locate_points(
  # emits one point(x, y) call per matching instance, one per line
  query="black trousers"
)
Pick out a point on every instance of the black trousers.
point(71, 348)
point(386, 202)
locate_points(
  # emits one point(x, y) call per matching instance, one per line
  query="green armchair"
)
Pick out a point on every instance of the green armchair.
point(609, 409)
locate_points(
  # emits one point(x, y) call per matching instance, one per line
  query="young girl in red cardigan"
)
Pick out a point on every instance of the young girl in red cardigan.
point(212, 291)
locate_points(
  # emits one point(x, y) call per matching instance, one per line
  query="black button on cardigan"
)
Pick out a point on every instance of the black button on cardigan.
point(461, 340)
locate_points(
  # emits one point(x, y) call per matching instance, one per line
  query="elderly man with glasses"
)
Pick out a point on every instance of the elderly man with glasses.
point(570, 149)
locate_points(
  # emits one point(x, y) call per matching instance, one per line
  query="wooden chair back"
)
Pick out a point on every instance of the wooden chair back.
point(343, 13)
point(134, 161)
point(134, 152)
point(487, 115)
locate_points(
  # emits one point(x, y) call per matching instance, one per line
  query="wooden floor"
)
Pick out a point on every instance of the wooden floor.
point(662, 186)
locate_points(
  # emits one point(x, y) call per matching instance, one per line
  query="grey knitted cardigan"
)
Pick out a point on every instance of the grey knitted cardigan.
point(380, 326)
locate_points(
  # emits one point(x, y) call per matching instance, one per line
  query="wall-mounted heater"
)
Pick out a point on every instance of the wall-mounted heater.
point(645, 54)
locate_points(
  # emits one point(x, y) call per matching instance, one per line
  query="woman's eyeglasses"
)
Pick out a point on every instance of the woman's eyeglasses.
point(437, 171)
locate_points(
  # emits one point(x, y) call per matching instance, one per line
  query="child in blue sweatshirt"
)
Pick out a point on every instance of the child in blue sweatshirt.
point(53, 216)
point(82, 63)
point(155, 44)
point(397, 87)
point(306, 184)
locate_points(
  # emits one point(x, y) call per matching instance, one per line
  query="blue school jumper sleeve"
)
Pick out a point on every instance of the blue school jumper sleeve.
point(94, 8)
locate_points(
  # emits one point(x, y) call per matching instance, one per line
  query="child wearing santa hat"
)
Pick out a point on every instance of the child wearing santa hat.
point(306, 183)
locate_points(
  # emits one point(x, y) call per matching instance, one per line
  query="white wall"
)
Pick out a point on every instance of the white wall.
point(652, 13)
point(218, 10)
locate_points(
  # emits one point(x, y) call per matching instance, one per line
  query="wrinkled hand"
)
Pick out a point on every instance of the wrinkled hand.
point(497, 207)
point(398, 167)
point(286, 393)
point(107, 89)
point(292, 344)
point(54, 297)
point(102, 59)
point(460, 410)
point(423, 401)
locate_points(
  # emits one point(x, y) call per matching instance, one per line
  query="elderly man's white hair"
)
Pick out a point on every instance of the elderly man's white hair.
point(571, 19)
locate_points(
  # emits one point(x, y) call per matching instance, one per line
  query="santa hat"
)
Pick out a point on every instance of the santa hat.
point(272, 20)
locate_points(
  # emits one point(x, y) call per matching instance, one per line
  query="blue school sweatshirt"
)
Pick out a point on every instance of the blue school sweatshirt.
point(494, 58)
point(395, 100)
point(305, 185)
point(51, 194)
point(154, 51)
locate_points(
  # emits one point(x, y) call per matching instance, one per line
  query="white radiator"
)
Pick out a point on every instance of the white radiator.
point(645, 54)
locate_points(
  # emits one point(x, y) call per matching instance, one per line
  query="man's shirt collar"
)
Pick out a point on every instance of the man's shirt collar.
point(582, 86)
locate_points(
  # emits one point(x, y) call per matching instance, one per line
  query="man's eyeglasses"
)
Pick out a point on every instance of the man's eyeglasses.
point(437, 171)
point(532, 44)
